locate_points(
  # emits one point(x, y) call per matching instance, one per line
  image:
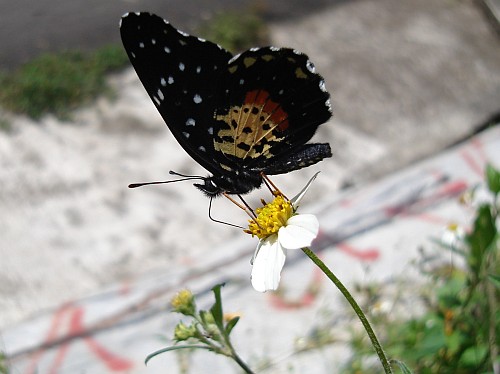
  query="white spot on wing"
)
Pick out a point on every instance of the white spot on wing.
point(310, 66)
point(197, 99)
point(329, 105)
point(170, 80)
point(166, 49)
point(186, 134)
point(141, 45)
point(190, 122)
point(181, 66)
point(202, 148)
point(211, 130)
point(198, 69)
point(163, 82)
point(322, 86)
point(157, 101)
point(160, 94)
point(234, 58)
point(153, 41)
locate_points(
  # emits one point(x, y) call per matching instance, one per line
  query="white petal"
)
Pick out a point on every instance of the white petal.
point(299, 232)
point(267, 265)
point(256, 251)
point(296, 200)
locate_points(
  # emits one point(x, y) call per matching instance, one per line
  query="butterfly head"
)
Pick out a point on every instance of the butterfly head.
point(216, 185)
point(209, 187)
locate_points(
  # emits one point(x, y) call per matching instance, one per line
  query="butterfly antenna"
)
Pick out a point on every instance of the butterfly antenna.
point(216, 220)
point(171, 172)
point(184, 178)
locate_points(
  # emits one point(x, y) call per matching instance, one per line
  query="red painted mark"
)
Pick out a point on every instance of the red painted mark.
point(370, 254)
point(324, 240)
point(261, 98)
point(448, 190)
point(473, 165)
point(479, 146)
point(453, 188)
point(280, 301)
point(51, 335)
point(125, 288)
point(432, 218)
point(111, 361)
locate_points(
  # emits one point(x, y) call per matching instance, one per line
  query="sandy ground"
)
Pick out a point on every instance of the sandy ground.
point(408, 79)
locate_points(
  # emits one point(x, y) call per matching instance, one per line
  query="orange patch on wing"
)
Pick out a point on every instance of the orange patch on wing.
point(277, 114)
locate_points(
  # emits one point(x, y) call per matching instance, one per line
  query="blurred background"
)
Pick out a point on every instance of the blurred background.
point(408, 80)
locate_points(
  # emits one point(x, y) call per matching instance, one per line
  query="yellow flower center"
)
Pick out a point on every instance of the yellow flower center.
point(270, 217)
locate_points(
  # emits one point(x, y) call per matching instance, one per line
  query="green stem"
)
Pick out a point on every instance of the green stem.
point(232, 352)
point(240, 362)
point(355, 306)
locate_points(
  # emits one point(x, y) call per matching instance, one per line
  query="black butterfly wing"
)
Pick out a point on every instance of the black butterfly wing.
point(181, 74)
point(271, 105)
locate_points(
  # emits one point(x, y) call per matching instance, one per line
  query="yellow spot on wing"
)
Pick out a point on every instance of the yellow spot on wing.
point(299, 73)
point(249, 61)
point(249, 130)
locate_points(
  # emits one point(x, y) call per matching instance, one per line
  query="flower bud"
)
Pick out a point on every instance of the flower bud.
point(183, 332)
point(183, 302)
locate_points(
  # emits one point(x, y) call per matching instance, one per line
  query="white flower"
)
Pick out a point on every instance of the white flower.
point(279, 228)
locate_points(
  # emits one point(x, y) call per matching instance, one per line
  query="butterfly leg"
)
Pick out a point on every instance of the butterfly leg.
point(245, 207)
point(271, 186)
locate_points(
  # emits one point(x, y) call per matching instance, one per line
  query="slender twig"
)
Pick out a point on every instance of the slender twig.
point(355, 306)
point(233, 354)
point(240, 362)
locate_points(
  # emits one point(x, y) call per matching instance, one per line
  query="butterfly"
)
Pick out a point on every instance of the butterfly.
point(240, 117)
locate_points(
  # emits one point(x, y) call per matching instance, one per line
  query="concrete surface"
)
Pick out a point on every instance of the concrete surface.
point(368, 235)
point(408, 79)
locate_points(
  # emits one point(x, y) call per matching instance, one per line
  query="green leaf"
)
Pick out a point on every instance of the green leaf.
point(473, 356)
point(433, 339)
point(481, 237)
point(493, 179)
point(454, 342)
point(402, 366)
point(495, 279)
point(230, 325)
point(216, 309)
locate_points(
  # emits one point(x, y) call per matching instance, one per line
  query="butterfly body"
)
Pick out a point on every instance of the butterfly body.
point(237, 116)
